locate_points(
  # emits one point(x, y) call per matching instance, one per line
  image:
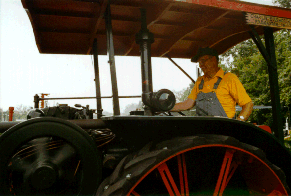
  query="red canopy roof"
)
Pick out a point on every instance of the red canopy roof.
point(179, 27)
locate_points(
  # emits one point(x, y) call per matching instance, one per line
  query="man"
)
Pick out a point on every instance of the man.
point(216, 93)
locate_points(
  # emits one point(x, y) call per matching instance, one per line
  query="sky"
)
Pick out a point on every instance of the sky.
point(25, 72)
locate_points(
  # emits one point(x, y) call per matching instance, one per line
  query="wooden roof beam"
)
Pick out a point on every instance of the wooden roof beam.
point(95, 24)
point(220, 36)
point(69, 14)
point(205, 21)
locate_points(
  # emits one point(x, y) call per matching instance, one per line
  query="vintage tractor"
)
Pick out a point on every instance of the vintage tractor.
point(62, 151)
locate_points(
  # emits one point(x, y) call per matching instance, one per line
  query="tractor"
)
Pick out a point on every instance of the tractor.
point(62, 150)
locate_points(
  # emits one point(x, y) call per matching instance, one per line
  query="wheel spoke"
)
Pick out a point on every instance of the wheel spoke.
point(40, 145)
point(65, 153)
point(166, 174)
point(183, 175)
point(134, 193)
point(224, 178)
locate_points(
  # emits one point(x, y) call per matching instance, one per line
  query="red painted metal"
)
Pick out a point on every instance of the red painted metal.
point(180, 174)
point(221, 182)
point(183, 175)
point(164, 170)
point(11, 109)
point(245, 7)
point(266, 128)
point(42, 101)
point(135, 193)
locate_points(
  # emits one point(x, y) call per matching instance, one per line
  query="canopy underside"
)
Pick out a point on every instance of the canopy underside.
point(179, 28)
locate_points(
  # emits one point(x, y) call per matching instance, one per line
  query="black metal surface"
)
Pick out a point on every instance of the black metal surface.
point(136, 131)
point(6, 125)
point(274, 86)
point(163, 100)
point(180, 68)
point(97, 80)
point(110, 51)
point(145, 38)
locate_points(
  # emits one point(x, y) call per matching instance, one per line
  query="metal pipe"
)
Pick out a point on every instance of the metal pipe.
point(180, 68)
point(97, 80)
point(83, 123)
point(89, 123)
point(36, 101)
point(55, 98)
point(145, 38)
point(110, 51)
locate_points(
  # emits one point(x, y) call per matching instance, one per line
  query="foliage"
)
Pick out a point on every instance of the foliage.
point(283, 3)
point(20, 112)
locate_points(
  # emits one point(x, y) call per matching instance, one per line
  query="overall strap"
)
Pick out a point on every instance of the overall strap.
point(218, 82)
point(215, 85)
point(201, 84)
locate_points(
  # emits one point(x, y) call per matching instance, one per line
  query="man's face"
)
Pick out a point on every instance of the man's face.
point(208, 64)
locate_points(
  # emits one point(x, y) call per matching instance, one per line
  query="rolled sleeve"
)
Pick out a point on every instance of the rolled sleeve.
point(238, 92)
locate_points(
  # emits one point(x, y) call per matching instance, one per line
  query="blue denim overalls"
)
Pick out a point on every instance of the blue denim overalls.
point(207, 104)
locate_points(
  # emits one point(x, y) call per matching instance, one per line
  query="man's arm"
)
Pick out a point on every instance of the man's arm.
point(185, 105)
point(246, 111)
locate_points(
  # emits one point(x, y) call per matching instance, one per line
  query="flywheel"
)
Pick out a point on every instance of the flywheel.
point(48, 156)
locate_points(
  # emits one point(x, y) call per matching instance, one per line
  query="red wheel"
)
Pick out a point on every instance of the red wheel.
point(208, 165)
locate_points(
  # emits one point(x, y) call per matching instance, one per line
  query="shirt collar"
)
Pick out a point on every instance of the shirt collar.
point(220, 74)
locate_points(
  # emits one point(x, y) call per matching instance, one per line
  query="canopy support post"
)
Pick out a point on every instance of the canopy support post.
point(110, 51)
point(269, 55)
point(97, 80)
point(274, 86)
point(145, 38)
